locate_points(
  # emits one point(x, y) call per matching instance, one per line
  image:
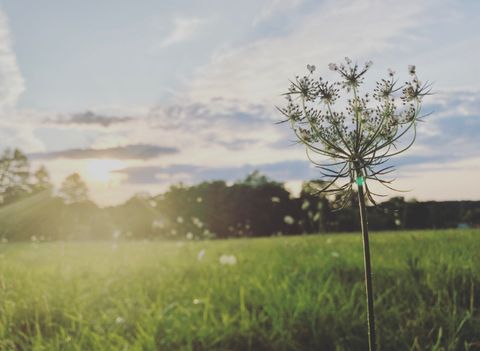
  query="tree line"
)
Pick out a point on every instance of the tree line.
point(256, 206)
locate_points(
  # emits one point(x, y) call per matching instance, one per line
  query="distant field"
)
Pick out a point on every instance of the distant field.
point(295, 293)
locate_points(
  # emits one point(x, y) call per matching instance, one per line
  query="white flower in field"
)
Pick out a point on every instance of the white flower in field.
point(119, 320)
point(33, 238)
point(116, 234)
point(275, 199)
point(335, 254)
point(158, 224)
point(289, 220)
point(199, 199)
point(201, 255)
point(179, 219)
point(189, 236)
point(311, 68)
point(229, 260)
point(197, 222)
point(305, 204)
point(196, 301)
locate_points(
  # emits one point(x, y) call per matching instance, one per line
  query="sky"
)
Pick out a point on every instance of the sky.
point(138, 95)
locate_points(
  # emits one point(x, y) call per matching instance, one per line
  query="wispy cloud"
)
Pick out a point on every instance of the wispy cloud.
point(258, 71)
point(191, 173)
point(133, 152)
point(89, 118)
point(271, 8)
point(183, 29)
point(11, 81)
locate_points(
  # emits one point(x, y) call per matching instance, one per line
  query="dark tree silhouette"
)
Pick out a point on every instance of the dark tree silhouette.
point(14, 176)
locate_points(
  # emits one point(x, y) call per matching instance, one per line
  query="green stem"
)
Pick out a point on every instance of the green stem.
point(367, 265)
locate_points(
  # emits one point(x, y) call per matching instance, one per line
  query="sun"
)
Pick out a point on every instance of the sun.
point(100, 170)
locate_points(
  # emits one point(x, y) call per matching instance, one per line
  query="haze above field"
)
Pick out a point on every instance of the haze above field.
point(137, 95)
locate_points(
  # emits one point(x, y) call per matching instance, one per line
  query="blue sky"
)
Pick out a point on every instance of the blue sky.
point(170, 91)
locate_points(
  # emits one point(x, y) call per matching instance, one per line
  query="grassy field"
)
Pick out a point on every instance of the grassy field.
point(295, 293)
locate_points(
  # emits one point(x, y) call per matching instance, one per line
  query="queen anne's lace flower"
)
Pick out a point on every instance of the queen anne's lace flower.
point(360, 138)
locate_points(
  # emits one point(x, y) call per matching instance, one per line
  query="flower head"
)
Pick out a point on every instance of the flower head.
point(229, 260)
point(359, 137)
point(411, 70)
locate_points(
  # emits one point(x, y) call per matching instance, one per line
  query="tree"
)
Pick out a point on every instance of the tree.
point(14, 175)
point(42, 179)
point(359, 140)
point(74, 189)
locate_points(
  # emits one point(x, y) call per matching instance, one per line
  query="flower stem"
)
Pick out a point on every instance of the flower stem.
point(367, 267)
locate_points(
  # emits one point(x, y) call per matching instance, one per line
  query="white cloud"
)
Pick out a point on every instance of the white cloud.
point(273, 7)
point(259, 70)
point(11, 80)
point(183, 29)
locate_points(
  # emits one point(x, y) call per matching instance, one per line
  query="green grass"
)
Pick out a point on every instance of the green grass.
point(295, 293)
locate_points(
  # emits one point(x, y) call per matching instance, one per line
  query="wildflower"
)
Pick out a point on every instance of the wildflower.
point(189, 236)
point(119, 320)
point(116, 234)
point(275, 199)
point(229, 260)
point(357, 139)
point(196, 301)
point(305, 204)
point(289, 220)
point(201, 255)
point(365, 130)
point(199, 199)
point(197, 222)
point(311, 68)
point(179, 220)
point(158, 224)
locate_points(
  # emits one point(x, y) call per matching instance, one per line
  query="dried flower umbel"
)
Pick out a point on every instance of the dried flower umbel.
point(358, 140)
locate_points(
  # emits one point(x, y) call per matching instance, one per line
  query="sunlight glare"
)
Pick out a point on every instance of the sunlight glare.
point(101, 170)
